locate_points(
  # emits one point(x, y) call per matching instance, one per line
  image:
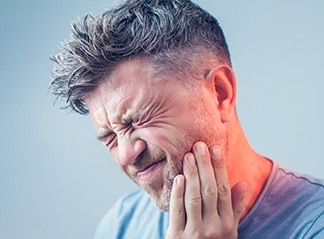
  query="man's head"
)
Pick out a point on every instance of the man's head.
point(176, 35)
point(155, 76)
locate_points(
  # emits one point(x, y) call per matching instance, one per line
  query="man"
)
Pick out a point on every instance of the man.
point(156, 78)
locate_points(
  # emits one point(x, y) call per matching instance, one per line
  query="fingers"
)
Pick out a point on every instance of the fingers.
point(224, 202)
point(202, 202)
point(208, 187)
point(230, 201)
point(192, 197)
point(177, 212)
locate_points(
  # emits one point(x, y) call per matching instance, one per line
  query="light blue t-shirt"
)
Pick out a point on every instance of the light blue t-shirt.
point(290, 206)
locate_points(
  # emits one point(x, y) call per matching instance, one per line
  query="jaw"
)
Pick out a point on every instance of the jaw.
point(159, 188)
point(162, 199)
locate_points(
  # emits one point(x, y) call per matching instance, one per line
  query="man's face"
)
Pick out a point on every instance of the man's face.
point(149, 121)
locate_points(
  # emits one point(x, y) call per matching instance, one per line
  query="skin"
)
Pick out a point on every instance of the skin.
point(202, 204)
point(151, 122)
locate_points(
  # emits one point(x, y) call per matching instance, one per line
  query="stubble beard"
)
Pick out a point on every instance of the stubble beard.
point(173, 167)
point(207, 132)
point(162, 200)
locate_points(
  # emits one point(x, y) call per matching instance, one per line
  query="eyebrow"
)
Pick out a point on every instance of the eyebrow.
point(125, 120)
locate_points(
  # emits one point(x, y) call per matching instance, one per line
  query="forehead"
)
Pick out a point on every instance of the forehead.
point(123, 78)
point(133, 86)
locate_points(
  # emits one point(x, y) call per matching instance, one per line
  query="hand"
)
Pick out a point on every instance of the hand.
point(202, 205)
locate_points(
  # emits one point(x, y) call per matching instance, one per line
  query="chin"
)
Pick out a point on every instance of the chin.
point(160, 193)
point(161, 197)
point(162, 201)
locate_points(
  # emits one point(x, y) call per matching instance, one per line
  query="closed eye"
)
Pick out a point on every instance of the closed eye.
point(111, 141)
point(108, 139)
point(106, 136)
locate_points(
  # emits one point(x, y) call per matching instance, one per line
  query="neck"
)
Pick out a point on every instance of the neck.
point(245, 165)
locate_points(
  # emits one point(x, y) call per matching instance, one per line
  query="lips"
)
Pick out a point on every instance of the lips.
point(149, 171)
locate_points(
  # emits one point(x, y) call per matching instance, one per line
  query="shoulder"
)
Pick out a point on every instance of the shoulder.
point(129, 203)
point(307, 203)
point(121, 213)
point(132, 216)
point(290, 205)
point(316, 227)
point(300, 186)
point(299, 194)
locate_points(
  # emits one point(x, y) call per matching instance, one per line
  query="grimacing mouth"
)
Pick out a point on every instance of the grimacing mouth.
point(149, 166)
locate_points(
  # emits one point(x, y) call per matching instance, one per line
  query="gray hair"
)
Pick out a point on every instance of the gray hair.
point(168, 32)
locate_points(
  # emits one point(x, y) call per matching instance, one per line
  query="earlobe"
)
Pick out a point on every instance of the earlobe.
point(224, 83)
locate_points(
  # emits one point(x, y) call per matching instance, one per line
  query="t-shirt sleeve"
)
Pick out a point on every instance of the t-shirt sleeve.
point(108, 226)
point(133, 216)
point(317, 229)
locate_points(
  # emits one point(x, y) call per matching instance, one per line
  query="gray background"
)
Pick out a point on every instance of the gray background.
point(57, 181)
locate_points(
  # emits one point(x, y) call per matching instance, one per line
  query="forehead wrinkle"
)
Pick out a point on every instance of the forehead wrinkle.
point(122, 81)
point(146, 90)
point(123, 109)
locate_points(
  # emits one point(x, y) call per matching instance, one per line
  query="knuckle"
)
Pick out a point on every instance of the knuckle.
point(220, 165)
point(209, 191)
point(176, 211)
point(195, 235)
point(195, 200)
point(224, 230)
point(224, 189)
point(227, 227)
point(204, 158)
point(239, 209)
point(211, 234)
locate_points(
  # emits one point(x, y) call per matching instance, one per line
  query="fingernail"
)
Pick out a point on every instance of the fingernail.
point(201, 149)
point(179, 180)
point(191, 159)
point(216, 152)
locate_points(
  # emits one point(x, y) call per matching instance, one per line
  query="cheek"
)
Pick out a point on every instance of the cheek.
point(174, 141)
point(158, 137)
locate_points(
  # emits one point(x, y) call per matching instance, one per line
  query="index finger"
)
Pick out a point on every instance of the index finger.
point(177, 213)
point(224, 203)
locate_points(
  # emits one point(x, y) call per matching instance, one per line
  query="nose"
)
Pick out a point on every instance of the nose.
point(129, 149)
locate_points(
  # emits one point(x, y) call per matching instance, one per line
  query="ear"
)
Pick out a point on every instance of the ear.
point(223, 81)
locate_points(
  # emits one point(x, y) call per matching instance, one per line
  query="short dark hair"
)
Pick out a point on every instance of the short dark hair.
point(166, 31)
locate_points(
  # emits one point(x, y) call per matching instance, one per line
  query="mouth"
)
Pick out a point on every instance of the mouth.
point(151, 170)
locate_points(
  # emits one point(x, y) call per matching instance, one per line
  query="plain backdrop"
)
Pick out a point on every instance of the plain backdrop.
point(57, 181)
